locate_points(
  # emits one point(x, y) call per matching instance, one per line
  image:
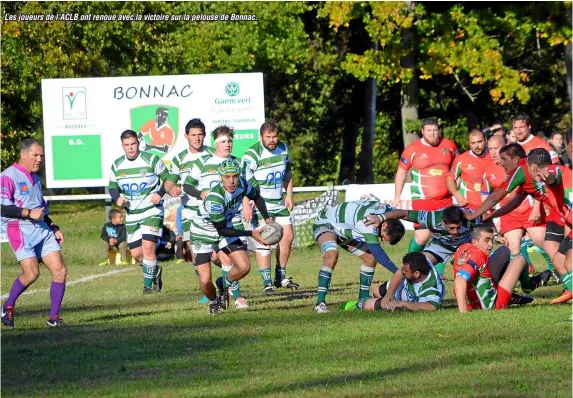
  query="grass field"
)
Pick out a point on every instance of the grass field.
point(121, 343)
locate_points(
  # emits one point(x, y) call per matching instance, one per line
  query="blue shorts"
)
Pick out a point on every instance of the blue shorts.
point(31, 239)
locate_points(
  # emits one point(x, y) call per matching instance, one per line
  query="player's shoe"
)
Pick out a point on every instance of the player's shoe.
point(516, 299)
point(147, 290)
point(203, 300)
point(180, 261)
point(157, 281)
point(287, 283)
point(565, 297)
point(537, 280)
point(268, 289)
point(241, 303)
point(554, 280)
point(223, 293)
point(8, 316)
point(214, 306)
point(56, 322)
point(349, 305)
point(545, 277)
point(321, 308)
point(104, 262)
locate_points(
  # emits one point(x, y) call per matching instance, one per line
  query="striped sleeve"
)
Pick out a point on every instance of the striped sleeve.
point(215, 206)
point(431, 295)
point(515, 180)
point(113, 178)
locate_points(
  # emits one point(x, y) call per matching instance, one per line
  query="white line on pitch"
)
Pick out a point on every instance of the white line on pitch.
point(81, 280)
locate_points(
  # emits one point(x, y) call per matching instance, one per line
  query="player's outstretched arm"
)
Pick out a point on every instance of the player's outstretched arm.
point(424, 306)
point(191, 190)
point(261, 206)
point(460, 289)
point(377, 220)
point(493, 199)
point(381, 257)
point(513, 204)
point(399, 185)
point(392, 287)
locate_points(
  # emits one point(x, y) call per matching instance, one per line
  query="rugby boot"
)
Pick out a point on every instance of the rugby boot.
point(8, 316)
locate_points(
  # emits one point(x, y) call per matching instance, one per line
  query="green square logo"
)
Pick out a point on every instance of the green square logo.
point(76, 157)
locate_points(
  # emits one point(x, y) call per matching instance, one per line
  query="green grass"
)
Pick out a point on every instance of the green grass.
point(121, 343)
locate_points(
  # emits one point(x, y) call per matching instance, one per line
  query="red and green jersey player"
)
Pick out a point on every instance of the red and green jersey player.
point(545, 182)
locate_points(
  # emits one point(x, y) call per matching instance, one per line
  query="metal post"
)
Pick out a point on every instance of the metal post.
point(107, 204)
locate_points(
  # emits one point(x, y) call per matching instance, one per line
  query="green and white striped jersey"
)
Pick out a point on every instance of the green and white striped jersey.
point(430, 290)
point(209, 171)
point(440, 235)
point(347, 219)
point(220, 205)
point(138, 180)
point(266, 169)
point(186, 169)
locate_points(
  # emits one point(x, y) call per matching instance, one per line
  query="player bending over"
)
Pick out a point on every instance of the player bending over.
point(343, 226)
point(215, 220)
point(418, 287)
point(482, 282)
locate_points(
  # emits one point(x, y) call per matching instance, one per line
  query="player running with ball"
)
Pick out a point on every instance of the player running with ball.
point(215, 219)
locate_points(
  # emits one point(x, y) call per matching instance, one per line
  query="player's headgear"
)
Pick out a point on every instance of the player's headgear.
point(229, 166)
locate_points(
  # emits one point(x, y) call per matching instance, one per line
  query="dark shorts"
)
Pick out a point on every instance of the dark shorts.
point(565, 246)
point(554, 232)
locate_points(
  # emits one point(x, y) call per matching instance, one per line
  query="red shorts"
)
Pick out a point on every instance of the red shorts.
point(431, 205)
point(512, 221)
point(503, 298)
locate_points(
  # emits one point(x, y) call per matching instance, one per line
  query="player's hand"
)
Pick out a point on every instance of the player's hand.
point(542, 175)
point(257, 236)
point(121, 201)
point(486, 216)
point(155, 198)
point(168, 245)
point(247, 213)
point(470, 215)
point(396, 203)
point(392, 305)
point(179, 237)
point(462, 202)
point(373, 219)
point(386, 301)
point(289, 202)
point(269, 221)
point(204, 194)
point(112, 241)
point(502, 241)
point(175, 191)
point(59, 237)
point(535, 215)
point(36, 214)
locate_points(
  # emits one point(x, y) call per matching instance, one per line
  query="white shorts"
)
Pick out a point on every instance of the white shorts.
point(143, 230)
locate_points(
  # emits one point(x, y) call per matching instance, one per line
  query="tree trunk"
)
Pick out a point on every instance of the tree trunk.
point(568, 66)
point(348, 156)
point(409, 92)
point(366, 174)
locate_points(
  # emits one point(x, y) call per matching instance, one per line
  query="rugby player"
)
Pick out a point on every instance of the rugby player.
point(429, 159)
point(182, 171)
point(521, 125)
point(418, 287)
point(215, 220)
point(486, 283)
point(134, 183)
point(208, 171)
point(267, 166)
point(343, 226)
point(33, 236)
point(160, 133)
point(467, 172)
point(514, 225)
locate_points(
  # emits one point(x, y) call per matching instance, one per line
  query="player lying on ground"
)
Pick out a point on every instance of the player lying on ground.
point(524, 183)
point(418, 287)
point(267, 166)
point(482, 282)
point(215, 219)
point(135, 183)
point(343, 226)
point(31, 233)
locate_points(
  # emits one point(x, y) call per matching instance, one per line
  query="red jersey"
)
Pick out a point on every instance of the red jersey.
point(553, 196)
point(493, 178)
point(470, 169)
point(470, 263)
point(533, 142)
point(430, 166)
point(159, 136)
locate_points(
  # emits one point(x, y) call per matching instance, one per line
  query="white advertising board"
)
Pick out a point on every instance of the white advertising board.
point(84, 118)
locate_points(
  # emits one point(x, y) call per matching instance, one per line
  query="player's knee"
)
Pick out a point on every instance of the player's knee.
point(30, 275)
point(330, 258)
point(263, 251)
point(288, 235)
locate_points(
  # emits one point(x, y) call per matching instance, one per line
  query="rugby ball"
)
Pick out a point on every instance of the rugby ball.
point(272, 233)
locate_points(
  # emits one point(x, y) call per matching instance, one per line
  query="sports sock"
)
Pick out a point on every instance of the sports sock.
point(226, 281)
point(266, 276)
point(523, 251)
point(235, 287)
point(414, 247)
point(324, 276)
point(17, 289)
point(567, 281)
point(524, 279)
point(56, 297)
point(440, 268)
point(280, 273)
point(149, 271)
point(547, 259)
point(366, 276)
